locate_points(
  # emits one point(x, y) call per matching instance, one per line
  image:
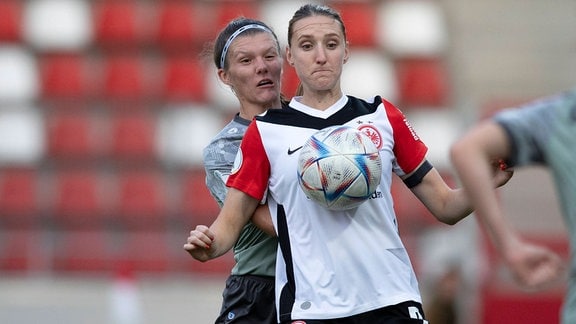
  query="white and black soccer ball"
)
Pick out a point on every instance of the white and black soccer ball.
point(339, 167)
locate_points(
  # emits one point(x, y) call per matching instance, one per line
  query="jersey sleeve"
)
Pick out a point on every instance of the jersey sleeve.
point(251, 169)
point(409, 150)
point(527, 128)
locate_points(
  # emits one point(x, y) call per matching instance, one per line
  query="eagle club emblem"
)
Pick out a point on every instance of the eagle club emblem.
point(373, 133)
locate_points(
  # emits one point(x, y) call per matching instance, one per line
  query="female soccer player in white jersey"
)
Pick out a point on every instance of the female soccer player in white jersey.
point(248, 60)
point(333, 266)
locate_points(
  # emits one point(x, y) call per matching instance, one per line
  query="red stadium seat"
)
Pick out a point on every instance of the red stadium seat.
point(360, 19)
point(125, 78)
point(120, 23)
point(21, 251)
point(79, 199)
point(290, 81)
point(133, 138)
point(145, 251)
point(141, 200)
point(185, 78)
point(197, 204)
point(11, 21)
point(175, 24)
point(72, 137)
point(84, 251)
point(422, 82)
point(226, 10)
point(64, 76)
point(502, 300)
point(18, 197)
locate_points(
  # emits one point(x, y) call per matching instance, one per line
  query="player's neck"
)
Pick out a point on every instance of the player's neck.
point(321, 100)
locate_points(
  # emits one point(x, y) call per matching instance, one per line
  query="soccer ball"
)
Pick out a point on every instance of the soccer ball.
point(339, 167)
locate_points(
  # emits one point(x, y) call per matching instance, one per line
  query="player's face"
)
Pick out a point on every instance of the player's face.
point(318, 51)
point(254, 69)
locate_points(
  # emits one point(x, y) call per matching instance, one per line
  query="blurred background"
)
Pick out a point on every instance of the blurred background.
point(105, 106)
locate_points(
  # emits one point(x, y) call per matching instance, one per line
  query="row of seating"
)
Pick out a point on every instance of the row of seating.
point(94, 198)
point(138, 77)
point(147, 198)
point(177, 24)
point(101, 252)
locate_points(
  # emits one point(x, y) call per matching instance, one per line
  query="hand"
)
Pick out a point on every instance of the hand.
point(533, 266)
point(501, 173)
point(199, 243)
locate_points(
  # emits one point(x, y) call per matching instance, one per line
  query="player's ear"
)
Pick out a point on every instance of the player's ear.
point(289, 56)
point(346, 53)
point(223, 76)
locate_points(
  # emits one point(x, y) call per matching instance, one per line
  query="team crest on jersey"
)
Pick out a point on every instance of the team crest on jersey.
point(237, 162)
point(373, 133)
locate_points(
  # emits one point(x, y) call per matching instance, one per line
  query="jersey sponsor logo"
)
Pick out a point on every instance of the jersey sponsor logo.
point(237, 162)
point(376, 194)
point(290, 151)
point(373, 133)
point(412, 131)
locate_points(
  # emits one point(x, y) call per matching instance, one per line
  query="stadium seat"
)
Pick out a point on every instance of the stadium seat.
point(22, 251)
point(125, 77)
point(376, 72)
point(19, 81)
point(65, 76)
point(141, 200)
point(21, 136)
point(502, 299)
point(184, 78)
point(11, 22)
point(145, 251)
point(133, 138)
point(79, 199)
point(175, 26)
point(72, 136)
point(411, 28)
point(120, 24)
point(359, 18)
point(422, 82)
point(89, 251)
point(226, 10)
point(197, 204)
point(177, 125)
point(18, 197)
point(58, 25)
point(290, 81)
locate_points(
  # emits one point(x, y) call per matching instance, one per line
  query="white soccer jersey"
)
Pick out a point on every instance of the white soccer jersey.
point(331, 264)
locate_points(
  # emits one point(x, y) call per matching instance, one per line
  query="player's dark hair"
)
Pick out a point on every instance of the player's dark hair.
point(230, 29)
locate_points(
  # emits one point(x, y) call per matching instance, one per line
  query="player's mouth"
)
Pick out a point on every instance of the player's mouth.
point(265, 83)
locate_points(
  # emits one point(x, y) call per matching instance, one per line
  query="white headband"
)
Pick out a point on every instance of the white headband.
point(234, 35)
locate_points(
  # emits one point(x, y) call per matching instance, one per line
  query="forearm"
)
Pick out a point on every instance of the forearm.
point(447, 205)
point(474, 170)
point(234, 215)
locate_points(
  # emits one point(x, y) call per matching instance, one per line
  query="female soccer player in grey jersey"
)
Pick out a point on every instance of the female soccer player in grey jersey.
point(247, 56)
point(541, 133)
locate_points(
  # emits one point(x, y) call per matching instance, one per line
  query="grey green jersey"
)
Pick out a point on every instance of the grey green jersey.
point(544, 133)
point(255, 251)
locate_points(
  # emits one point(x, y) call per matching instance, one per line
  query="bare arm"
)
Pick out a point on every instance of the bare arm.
point(451, 205)
point(208, 243)
point(263, 220)
point(446, 204)
point(533, 266)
